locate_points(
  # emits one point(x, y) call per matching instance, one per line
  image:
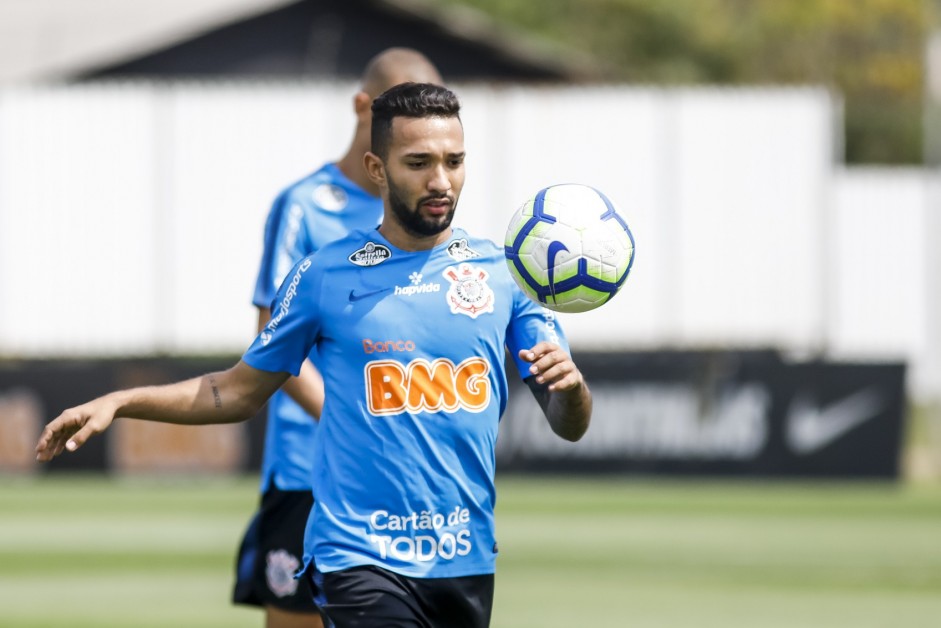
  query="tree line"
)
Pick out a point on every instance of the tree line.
point(869, 52)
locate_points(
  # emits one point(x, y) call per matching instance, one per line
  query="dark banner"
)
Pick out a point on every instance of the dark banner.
point(720, 413)
point(34, 392)
point(690, 413)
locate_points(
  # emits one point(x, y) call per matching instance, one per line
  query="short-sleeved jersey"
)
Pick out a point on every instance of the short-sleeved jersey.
point(307, 215)
point(412, 347)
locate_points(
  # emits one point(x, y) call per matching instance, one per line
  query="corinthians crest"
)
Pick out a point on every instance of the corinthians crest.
point(279, 572)
point(469, 293)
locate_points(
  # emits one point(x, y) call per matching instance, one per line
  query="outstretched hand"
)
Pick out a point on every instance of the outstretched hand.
point(553, 366)
point(72, 428)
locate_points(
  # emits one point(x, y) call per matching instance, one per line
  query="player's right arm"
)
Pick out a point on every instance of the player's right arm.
point(223, 397)
point(307, 388)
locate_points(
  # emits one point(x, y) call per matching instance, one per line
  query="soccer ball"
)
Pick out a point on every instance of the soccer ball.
point(568, 248)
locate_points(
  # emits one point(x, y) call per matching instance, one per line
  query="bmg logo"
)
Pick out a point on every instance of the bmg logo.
point(393, 388)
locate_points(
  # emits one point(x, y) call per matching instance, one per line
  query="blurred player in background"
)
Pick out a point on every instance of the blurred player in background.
point(410, 323)
point(328, 204)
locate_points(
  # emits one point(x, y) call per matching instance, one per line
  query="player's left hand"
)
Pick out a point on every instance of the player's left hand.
point(553, 366)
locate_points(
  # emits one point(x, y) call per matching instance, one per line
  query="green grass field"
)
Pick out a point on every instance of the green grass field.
point(97, 552)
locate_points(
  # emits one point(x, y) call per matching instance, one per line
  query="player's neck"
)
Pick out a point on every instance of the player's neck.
point(351, 165)
point(405, 241)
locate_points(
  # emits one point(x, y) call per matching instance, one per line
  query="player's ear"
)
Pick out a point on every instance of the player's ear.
point(362, 105)
point(375, 169)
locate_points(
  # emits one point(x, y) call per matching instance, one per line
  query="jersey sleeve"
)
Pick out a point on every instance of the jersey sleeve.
point(530, 324)
point(285, 245)
point(285, 342)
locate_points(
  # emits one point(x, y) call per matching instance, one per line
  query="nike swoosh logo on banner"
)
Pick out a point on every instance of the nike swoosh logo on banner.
point(810, 428)
point(363, 295)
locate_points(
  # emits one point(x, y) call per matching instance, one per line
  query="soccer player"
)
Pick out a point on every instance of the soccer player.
point(410, 322)
point(328, 204)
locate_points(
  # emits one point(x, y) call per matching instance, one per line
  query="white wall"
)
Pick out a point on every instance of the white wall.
point(131, 215)
point(880, 240)
point(724, 192)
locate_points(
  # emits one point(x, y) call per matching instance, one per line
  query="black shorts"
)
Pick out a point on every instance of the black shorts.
point(370, 597)
point(272, 551)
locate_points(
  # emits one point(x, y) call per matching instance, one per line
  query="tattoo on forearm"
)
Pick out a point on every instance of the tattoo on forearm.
point(216, 397)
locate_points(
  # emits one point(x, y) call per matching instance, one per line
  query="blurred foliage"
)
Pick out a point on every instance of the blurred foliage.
point(868, 51)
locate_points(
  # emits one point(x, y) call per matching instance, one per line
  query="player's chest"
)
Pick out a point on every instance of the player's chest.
point(439, 301)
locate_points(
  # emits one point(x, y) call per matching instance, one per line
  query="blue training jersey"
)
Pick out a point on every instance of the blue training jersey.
point(412, 347)
point(307, 215)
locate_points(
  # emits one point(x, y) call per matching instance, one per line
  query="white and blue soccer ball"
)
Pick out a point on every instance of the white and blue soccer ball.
point(568, 248)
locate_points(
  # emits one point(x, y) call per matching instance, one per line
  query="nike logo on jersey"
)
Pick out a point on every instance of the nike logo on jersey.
point(359, 296)
point(811, 428)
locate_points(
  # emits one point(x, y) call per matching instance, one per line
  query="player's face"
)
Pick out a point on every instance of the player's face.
point(425, 173)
